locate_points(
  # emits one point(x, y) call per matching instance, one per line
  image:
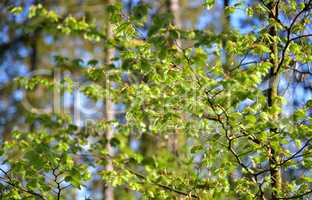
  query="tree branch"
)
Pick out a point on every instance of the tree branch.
point(288, 30)
point(297, 196)
point(166, 187)
point(10, 182)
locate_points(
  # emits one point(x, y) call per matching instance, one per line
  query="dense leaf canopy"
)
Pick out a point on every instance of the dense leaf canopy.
point(171, 111)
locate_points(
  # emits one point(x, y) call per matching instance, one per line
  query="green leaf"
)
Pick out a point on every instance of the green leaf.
point(229, 10)
point(16, 10)
point(114, 142)
point(196, 149)
point(309, 103)
point(209, 4)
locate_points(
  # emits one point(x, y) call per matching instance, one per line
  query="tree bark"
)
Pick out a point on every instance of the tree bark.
point(226, 69)
point(109, 111)
point(173, 7)
point(275, 172)
point(33, 57)
point(225, 30)
point(227, 18)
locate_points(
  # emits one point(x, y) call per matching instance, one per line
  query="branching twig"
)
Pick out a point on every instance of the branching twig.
point(58, 183)
point(288, 30)
point(14, 185)
point(295, 154)
point(166, 187)
point(297, 196)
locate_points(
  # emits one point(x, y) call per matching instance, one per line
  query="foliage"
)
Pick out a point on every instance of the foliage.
point(228, 149)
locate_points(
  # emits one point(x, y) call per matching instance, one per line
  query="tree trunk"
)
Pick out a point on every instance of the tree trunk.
point(225, 30)
point(109, 111)
point(33, 57)
point(275, 172)
point(226, 69)
point(227, 19)
point(173, 7)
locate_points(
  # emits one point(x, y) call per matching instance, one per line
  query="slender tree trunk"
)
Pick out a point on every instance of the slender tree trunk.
point(34, 52)
point(227, 18)
point(109, 111)
point(173, 7)
point(227, 66)
point(225, 30)
point(33, 61)
point(275, 172)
